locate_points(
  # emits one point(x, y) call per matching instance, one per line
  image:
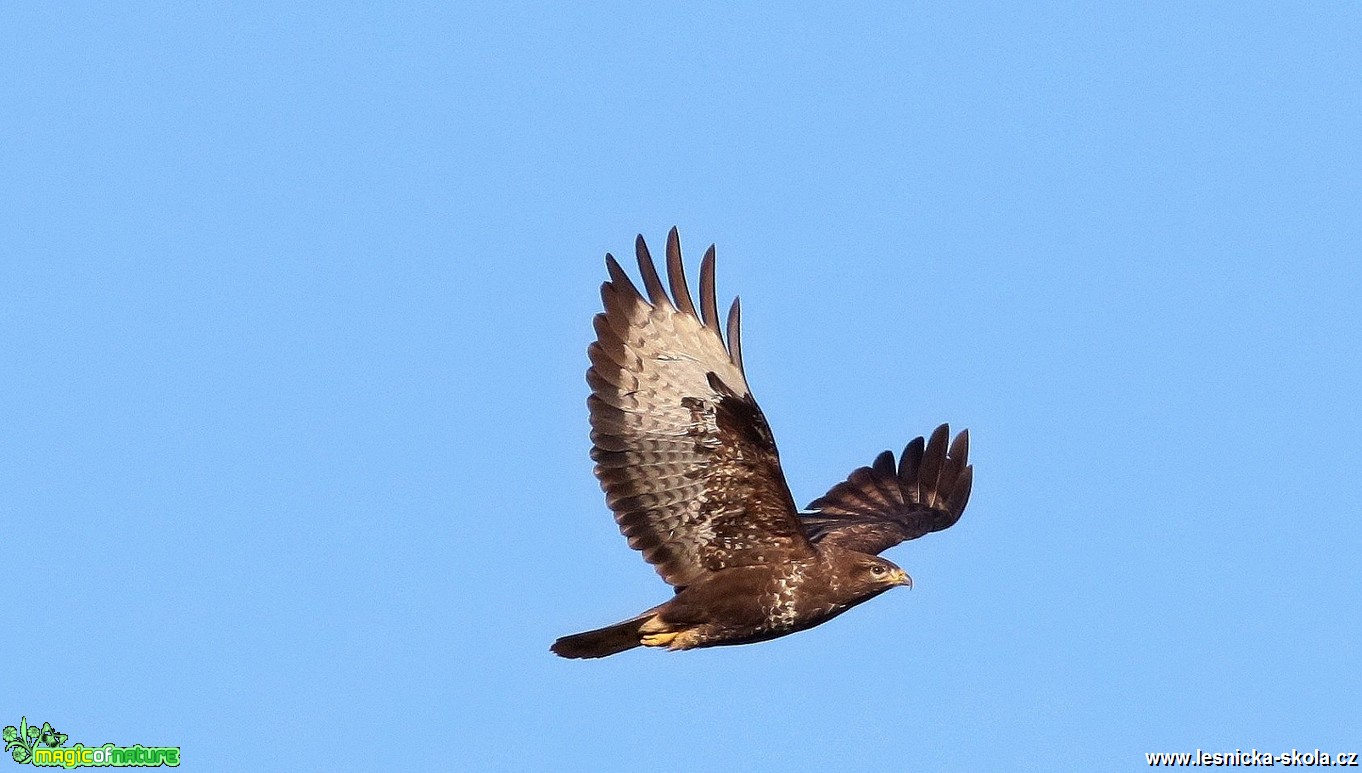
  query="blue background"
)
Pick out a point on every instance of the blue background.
point(294, 301)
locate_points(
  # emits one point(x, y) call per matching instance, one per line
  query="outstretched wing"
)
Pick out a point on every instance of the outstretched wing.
point(682, 451)
point(880, 506)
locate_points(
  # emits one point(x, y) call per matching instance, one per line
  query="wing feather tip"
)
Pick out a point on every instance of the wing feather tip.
point(651, 281)
point(676, 275)
point(735, 334)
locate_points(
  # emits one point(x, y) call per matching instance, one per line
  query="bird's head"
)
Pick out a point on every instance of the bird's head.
point(875, 573)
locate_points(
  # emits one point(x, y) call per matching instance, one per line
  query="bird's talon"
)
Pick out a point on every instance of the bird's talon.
point(658, 639)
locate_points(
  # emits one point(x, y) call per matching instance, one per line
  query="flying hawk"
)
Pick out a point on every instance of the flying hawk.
point(690, 469)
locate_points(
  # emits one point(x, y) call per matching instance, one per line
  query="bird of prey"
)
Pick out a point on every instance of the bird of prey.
point(690, 469)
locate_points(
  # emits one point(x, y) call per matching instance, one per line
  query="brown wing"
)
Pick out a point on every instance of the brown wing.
point(682, 451)
point(880, 506)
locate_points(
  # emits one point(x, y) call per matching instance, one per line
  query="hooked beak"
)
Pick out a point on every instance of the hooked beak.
point(901, 578)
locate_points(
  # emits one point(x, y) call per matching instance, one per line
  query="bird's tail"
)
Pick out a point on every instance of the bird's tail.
point(603, 641)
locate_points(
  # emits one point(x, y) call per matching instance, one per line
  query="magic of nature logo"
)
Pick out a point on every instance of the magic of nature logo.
point(46, 747)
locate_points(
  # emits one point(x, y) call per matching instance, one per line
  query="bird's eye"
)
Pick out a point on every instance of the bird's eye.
point(877, 569)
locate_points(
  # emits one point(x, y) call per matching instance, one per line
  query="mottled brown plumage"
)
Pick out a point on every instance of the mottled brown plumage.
point(690, 468)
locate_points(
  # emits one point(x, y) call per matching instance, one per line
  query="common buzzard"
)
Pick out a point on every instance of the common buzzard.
point(690, 469)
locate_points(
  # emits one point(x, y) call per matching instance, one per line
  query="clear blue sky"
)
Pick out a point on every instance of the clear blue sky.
point(294, 302)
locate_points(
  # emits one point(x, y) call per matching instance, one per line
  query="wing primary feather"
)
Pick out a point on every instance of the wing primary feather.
point(884, 463)
point(735, 335)
point(960, 447)
point(650, 279)
point(960, 494)
point(956, 459)
point(618, 278)
point(909, 464)
point(933, 459)
point(885, 478)
point(709, 306)
point(676, 274)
